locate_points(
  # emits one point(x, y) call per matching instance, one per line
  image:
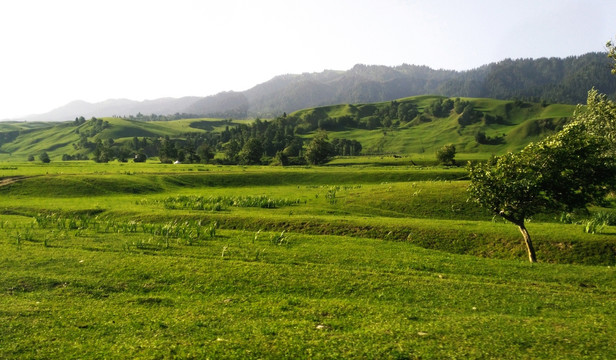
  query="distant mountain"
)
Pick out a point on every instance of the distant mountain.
point(115, 107)
point(553, 80)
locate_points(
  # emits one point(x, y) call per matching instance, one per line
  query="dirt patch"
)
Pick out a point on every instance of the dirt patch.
point(10, 180)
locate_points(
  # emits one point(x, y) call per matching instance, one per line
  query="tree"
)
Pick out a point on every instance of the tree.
point(407, 111)
point(168, 152)
point(30, 157)
point(205, 152)
point(294, 148)
point(565, 171)
point(611, 53)
point(123, 153)
point(140, 157)
point(44, 157)
point(600, 115)
point(281, 159)
point(319, 149)
point(231, 149)
point(251, 152)
point(446, 155)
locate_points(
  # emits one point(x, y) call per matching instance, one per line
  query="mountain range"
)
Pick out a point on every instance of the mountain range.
point(553, 80)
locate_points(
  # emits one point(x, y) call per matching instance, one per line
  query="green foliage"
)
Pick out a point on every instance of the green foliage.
point(593, 226)
point(565, 171)
point(140, 157)
point(219, 203)
point(481, 138)
point(605, 218)
point(600, 117)
point(611, 53)
point(44, 157)
point(251, 152)
point(344, 147)
point(319, 150)
point(508, 188)
point(446, 155)
point(205, 152)
point(404, 127)
point(440, 107)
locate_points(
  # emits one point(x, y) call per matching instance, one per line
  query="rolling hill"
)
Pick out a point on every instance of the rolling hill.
point(474, 125)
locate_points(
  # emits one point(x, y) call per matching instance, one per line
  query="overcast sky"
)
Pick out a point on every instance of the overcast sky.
point(54, 52)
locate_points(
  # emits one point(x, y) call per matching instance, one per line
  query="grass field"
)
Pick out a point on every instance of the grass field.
point(374, 260)
point(518, 124)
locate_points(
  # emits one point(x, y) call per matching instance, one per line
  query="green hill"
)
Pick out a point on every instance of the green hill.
point(65, 138)
point(507, 125)
point(414, 125)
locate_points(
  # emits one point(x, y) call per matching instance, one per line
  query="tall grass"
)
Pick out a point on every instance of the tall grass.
point(219, 203)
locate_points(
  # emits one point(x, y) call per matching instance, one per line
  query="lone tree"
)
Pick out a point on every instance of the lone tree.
point(446, 155)
point(565, 171)
point(44, 157)
point(319, 150)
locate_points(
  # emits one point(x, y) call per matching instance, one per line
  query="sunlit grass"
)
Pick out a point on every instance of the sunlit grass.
point(358, 262)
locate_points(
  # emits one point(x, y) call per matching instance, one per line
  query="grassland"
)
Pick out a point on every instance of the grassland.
point(519, 124)
point(163, 261)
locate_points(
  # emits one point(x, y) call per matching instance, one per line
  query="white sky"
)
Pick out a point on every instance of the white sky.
point(54, 52)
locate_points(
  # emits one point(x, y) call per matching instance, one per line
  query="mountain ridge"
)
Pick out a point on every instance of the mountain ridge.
point(554, 80)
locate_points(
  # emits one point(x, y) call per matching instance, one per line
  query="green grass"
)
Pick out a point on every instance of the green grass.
point(241, 295)
point(58, 138)
point(368, 261)
point(522, 123)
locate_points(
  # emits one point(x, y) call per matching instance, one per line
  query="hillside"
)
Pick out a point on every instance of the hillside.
point(492, 126)
point(554, 80)
point(413, 125)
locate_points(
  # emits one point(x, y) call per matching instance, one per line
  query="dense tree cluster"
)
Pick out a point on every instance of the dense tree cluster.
point(553, 80)
point(482, 138)
point(156, 117)
point(281, 139)
point(256, 143)
point(44, 157)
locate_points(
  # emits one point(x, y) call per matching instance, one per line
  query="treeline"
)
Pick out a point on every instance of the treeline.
point(156, 117)
point(262, 142)
point(553, 80)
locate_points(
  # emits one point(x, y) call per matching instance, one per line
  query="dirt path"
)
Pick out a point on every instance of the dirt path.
point(10, 180)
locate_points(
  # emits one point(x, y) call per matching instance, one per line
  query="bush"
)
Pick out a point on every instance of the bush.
point(140, 158)
point(446, 155)
point(44, 157)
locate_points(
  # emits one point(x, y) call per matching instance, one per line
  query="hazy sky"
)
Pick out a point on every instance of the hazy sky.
point(53, 52)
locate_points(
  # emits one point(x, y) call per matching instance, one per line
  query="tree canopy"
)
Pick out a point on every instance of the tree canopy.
point(565, 171)
point(319, 150)
point(446, 155)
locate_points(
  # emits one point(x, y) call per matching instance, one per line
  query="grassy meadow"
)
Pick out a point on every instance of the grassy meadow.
point(515, 124)
point(363, 258)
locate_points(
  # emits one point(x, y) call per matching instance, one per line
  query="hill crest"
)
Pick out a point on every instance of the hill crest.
point(554, 80)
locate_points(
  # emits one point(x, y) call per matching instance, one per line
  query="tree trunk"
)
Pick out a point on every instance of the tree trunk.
point(529, 244)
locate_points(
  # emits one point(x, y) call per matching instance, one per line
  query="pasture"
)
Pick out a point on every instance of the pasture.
point(361, 261)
